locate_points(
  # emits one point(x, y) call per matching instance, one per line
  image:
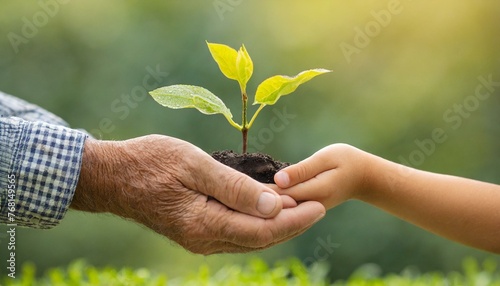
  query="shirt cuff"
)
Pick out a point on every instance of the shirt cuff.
point(45, 162)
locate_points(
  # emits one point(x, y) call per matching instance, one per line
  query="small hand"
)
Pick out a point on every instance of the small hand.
point(331, 176)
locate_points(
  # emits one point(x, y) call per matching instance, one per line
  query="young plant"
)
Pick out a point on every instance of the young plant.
point(236, 65)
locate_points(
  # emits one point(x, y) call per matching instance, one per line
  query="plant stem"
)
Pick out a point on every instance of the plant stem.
point(255, 115)
point(244, 123)
point(245, 140)
point(234, 124)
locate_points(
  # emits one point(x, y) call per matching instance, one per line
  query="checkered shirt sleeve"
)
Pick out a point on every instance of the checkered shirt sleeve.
point(44, 156)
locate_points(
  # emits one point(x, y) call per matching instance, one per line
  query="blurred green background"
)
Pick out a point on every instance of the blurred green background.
point(401, 70)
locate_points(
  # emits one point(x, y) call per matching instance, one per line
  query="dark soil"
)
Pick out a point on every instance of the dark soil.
point(259, 166)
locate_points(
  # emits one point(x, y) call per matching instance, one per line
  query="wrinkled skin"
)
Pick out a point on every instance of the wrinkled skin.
point(179, 191)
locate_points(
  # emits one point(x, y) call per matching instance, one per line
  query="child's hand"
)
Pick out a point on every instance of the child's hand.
point(460, 209)
point(331, 176)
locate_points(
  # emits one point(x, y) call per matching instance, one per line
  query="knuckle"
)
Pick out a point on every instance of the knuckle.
point(300, 172)
point(341, 149)
point(263, 238)
point(235, 188)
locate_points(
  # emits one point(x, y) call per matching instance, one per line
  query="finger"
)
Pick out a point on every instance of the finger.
point(236, 190)
point(207, 243)
point(302, 171)
point(229, 247)
point(207, 247)
point(289, 236)
point(288, 202)
point(248, 231)
point(327, 188)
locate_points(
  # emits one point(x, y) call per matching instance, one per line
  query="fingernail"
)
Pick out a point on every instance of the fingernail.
point(266, 203)
point(282, 179)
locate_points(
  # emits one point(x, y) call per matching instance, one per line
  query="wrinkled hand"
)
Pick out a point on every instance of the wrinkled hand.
point(167, 185)
point(331, 176)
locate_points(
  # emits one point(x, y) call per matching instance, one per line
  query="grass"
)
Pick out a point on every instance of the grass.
point(256, 272)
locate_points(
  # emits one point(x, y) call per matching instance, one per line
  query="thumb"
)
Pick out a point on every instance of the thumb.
point(302, 171)
point(238, 191)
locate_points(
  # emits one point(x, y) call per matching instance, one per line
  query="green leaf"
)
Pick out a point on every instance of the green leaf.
point(189, 96)
point(271, 89)
point(244, 67)
point(225, 57)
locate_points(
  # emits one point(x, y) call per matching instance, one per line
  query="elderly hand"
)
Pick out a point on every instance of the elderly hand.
point(167, 185)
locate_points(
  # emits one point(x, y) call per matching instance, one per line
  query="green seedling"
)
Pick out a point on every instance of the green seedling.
point(236, 65)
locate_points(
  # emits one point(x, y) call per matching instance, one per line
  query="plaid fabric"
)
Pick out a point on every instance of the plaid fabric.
point(45, 158)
